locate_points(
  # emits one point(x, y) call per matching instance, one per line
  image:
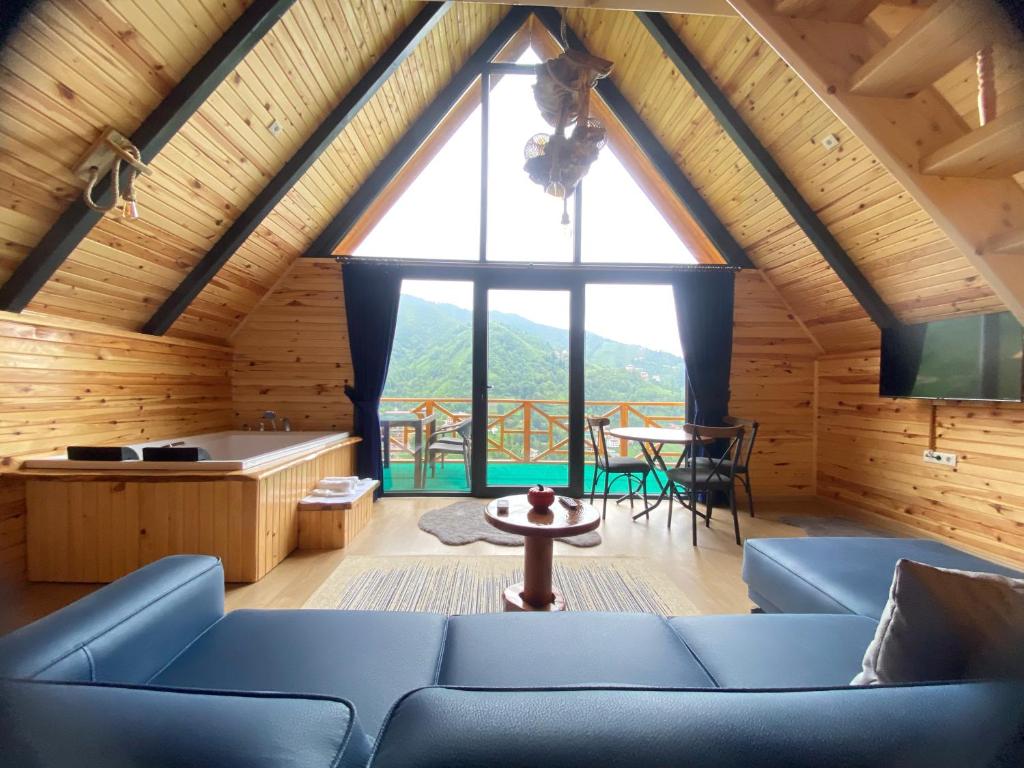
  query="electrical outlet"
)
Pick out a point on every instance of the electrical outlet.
point(830, 141)
point(940, 457)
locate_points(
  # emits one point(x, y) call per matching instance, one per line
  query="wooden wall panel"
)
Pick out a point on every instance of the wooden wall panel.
point(773, 383)
point(327, 186)
point(291, 355)
point(870, 457)
point(72, 68)
point(63, 381)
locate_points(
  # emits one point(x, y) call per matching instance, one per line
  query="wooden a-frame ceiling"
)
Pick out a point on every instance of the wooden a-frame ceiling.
point(76, 66)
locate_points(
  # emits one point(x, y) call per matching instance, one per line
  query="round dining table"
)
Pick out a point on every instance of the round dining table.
point(652, 442)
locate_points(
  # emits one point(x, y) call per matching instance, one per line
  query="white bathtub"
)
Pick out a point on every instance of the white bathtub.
point(228, 451)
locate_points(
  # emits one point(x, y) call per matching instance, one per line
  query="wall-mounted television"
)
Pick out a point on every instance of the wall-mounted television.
point(965, 358)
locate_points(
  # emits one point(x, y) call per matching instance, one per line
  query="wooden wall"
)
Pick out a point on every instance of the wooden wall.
point(869, 456)
point(63, 381)
point(291, 355)
point(773, 382)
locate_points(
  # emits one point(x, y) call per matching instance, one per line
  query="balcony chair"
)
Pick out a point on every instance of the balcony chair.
point(743, 467)
point(706, 476)
point(454, 439)
point(617, 466)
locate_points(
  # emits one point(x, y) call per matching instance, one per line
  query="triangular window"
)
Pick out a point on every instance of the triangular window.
point(620, 222)
point(432, 210)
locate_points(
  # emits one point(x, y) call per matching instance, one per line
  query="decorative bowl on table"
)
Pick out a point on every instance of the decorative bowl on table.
point(541, 497)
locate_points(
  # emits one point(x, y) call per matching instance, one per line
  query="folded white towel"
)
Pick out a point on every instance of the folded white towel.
point(328, 493)
point(353, 478)
point(337, 485)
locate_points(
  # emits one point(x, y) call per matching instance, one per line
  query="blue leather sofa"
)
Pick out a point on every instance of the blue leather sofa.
point(149, 671)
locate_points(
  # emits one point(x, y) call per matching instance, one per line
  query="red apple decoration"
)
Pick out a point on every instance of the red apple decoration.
point(540, 497)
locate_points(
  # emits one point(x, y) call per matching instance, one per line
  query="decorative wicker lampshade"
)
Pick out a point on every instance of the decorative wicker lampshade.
point(557, 162)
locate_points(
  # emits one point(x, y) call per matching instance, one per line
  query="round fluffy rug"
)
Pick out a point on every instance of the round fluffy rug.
point(463, 523)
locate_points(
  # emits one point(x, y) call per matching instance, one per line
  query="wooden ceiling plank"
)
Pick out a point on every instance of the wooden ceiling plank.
point(947, 34)
point(295, 168)
point(667, 168)
point(993, 150)
point(156, 130)
point(696, 7)
point(767, 168)
point(971, 212)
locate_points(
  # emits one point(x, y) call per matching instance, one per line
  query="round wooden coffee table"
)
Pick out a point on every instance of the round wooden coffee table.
point(540, 528)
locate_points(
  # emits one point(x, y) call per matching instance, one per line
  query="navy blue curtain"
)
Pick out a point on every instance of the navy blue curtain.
point(704, 302)
point(372, 293)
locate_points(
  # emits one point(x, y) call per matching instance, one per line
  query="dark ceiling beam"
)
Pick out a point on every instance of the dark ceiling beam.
point(295, 168)
point(769, 170)
point(156, 130)
point(417, 133)
point(665, 164)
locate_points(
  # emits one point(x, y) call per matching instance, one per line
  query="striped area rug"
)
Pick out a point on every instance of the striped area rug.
point(460, 585)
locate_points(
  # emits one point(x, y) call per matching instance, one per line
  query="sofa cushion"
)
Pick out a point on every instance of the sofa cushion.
point(124, 632)
point(778, 651)
point(966, 725)
point(841, 574)
point(943, 624)
point(367, 657)
point(541, 649)
point(54, 725)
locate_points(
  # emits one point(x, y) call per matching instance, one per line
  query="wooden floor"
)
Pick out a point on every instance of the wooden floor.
point(709, 573)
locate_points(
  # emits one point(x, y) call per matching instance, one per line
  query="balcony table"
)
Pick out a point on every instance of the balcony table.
point(422, 426)
point(652, 441)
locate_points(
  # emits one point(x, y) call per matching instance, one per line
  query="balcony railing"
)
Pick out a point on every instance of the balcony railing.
point(530, 431)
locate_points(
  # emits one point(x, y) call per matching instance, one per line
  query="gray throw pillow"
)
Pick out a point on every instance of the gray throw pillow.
point(943, 624)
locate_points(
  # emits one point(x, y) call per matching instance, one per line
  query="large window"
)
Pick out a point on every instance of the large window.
point(438, 216)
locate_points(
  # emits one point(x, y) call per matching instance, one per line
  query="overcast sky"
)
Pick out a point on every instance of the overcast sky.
point(439, 217)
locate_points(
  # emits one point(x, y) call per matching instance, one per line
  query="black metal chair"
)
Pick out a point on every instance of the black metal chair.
point(615, 467)
point(707, 476)
point(454, 439)
point(743, 467)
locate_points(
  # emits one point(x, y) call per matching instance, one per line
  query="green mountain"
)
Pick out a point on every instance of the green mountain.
point(432, 357)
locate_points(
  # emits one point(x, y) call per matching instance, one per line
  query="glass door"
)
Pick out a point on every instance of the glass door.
point(425, 409)
point(526, 396)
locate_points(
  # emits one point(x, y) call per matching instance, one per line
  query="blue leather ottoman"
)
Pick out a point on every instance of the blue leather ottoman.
point(367, 657)
point(544, 649)
point(777, 651)
point(840, 574)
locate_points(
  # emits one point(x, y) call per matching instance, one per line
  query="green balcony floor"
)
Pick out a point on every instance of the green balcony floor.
point(452, 477)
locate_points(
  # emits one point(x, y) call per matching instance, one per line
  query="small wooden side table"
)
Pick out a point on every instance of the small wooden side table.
point(540, 528)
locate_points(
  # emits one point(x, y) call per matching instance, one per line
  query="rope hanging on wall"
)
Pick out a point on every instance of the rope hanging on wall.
point(106, 155)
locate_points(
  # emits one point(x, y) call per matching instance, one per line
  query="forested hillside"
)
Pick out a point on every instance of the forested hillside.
point(432, 357)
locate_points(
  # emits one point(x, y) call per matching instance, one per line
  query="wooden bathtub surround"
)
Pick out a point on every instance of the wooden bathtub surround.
point(95, 526)
point(333, 524)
